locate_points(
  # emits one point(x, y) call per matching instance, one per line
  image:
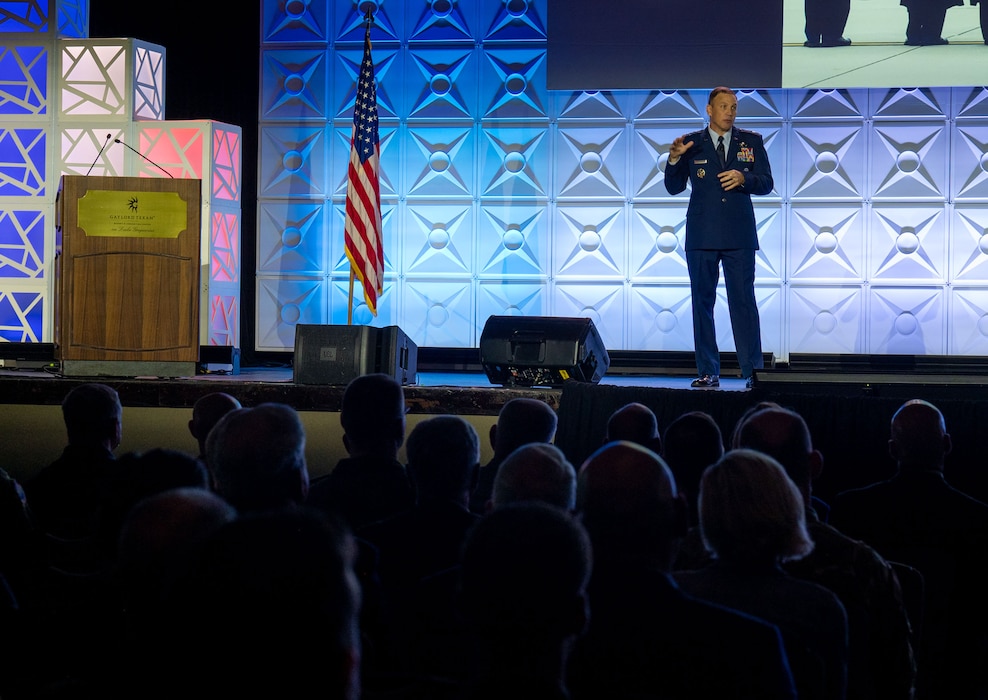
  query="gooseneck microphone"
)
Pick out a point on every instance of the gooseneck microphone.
point(144, 157)
point(102, 148)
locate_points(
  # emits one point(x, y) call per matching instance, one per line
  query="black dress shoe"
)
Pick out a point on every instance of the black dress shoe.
point(811, 44)
point(707, 381)
point(835, 41)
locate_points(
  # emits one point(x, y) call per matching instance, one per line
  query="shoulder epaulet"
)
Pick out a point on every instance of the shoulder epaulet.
point(748, 131)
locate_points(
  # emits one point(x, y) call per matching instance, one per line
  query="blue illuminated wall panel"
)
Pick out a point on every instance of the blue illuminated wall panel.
point(502, 197)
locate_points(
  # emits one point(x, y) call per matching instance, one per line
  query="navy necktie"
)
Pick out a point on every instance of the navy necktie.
point(720, 148)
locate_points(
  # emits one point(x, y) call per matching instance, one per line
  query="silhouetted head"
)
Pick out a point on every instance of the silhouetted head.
point(443, 457)
point(635, 422)
point(919, 439)
point(751, 511)
point(535, 472)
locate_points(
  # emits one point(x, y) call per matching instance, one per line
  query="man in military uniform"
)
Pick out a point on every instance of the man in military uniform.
point(724, 166)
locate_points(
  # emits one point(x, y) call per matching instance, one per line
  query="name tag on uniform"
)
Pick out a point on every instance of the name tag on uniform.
point(700, 162)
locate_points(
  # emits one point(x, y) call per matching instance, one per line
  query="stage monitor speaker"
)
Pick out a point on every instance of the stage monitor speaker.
point(542, 351)
point(330, 354)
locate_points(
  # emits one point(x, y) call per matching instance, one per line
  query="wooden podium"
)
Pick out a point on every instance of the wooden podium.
point(127, 276)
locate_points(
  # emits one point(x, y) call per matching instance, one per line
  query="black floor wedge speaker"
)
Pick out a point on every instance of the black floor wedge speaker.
point(542, 351)
point(335, 354)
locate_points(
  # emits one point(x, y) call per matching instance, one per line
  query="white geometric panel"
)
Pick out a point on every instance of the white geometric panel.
point(341, 298)
point(297, 22)
point(656, 250)
point(827, 161)
point(518, 21)
point(969, 161)
point(772, 306)
point(438, 239)
point(970, 102)
point(510, 298)
point(439, 313)
point(284, 302)
point(910, 103)
point(122, 78)
point(440, 83)
point(660, 317)
point(649, 154)
point(826, 319)
point(90, 151)
point(968, 321)
point(441, 21)
point(599, 105)
point(682, 105)
point(591, 162)
point(908, 244)
point(828, 104)
point(512, 240)
point(512, 83)
point(770, 256)
point(907, 321)
point(438, 161)
point(826, 243)
point(292, 161)
point(514, 161)
point(293, 84)
point(589, 241)
point(765, 105)
point(292, 238)
point(909, 160)
point(602, 303)
point(969, 245)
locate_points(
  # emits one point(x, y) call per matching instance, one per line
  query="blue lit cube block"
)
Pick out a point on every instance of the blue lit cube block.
point(65, 18)
point(25, 83)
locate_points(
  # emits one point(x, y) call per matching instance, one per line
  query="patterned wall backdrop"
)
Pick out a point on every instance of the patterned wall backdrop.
point(501, 197)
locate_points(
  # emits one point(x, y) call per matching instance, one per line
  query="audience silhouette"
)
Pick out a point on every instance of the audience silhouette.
point(66, 496)
point(370, 484)
point(535, 472)
point(268, 607)
point(881, 662)
point(692, 443)
point(637, 423)
point(520, 421)
point(161, 573)
point(917, 518)
point(646, 637)
point(443, 458)
point(523, 599)
point(256, 457)
point(751, 519)
point(206, 412)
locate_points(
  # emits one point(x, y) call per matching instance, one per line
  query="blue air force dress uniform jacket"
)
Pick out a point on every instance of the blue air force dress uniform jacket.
point(715, 219)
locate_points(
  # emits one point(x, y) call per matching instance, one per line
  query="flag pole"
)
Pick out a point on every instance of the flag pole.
point(349, 306)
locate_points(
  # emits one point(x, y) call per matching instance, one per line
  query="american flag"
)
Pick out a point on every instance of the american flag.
point(364, 245)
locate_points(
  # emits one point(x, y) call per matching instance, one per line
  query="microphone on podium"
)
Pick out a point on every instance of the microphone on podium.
point(101, 149)
point(144, 157)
